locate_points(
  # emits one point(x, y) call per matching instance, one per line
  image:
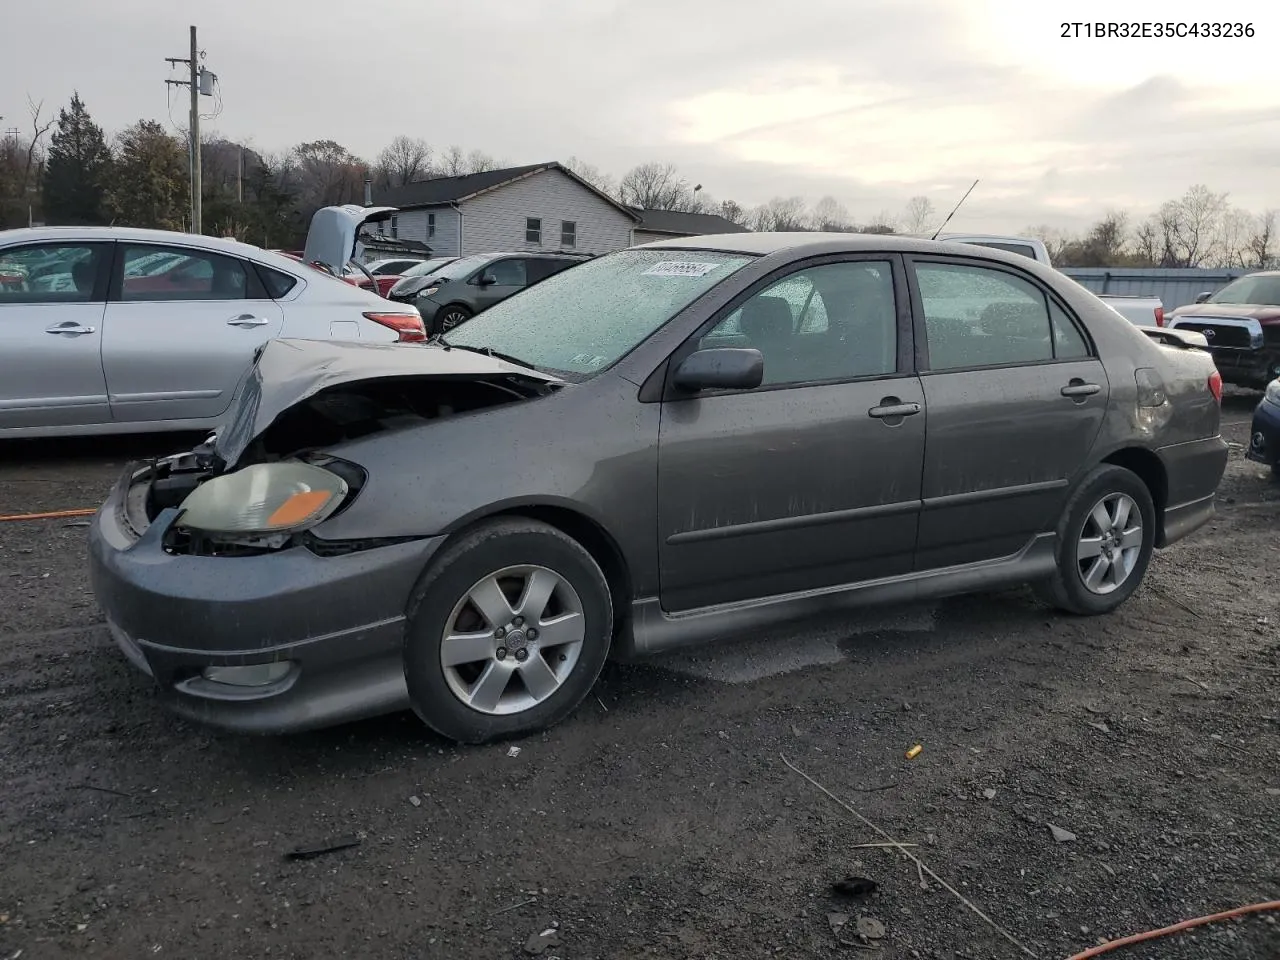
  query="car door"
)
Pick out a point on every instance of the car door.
point(52, 300)
point(499, 280)
point(813, 478)
point(1016, 398)
point(179, 340)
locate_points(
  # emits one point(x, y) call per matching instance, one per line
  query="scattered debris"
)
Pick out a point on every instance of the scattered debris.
point(876, 789)
point(1108, 946)
point(320, 849)
point(878, 846)
point(871, 928)
point(416, 801)
point(85, 523)
point(722, 735)
point(513, 751)
point(989, 793)
point(1100, 727)
point(90, 786)
point(837, 922)
point(1273, 791)
point(539, 943)
point(913, 858)
point(1175, 601)
point(915, 751)
point(602, 706)
point(516, 906)
point(1062, 836)
point(855, 887)
point(1202, 686)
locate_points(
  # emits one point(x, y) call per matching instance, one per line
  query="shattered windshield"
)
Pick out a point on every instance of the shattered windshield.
point(588, 317)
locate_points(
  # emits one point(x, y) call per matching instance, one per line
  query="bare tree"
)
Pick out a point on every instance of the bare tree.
point(920, 215)
point(733, 211)
point(785, 214)
point(479, 162)
point(1191, 227)
point(883, 223)
point(403, 160)
point(830, 215)
point(657, 186)
point(593, 175)
point(328, 174)
point(1260, 249)
point(1055, 240)
point(1148, 243)
point(453, 162)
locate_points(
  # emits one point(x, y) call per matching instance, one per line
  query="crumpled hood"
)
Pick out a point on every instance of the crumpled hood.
point(286, 372)
point(334, 232)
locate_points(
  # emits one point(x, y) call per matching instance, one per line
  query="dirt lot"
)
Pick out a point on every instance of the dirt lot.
point(661, 821)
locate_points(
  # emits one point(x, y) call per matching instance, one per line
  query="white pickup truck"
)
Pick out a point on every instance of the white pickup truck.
point(1140, 311)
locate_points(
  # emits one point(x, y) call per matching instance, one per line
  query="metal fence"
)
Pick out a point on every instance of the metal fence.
point(1174, 287)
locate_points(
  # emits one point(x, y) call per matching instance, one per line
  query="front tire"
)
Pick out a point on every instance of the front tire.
point(451, 316)
point(508, 631)
point(1105, 540)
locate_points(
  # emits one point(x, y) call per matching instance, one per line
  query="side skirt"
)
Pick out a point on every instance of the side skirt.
point(653, 630)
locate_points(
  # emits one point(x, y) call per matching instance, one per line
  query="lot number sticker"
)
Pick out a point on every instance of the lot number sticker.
point(680, 268)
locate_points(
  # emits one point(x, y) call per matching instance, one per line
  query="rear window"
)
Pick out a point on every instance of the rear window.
point(1019, 248)
point(278, 284)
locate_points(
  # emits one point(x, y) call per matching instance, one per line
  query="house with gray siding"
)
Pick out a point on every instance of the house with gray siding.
point(671, 224)
point(542, 207)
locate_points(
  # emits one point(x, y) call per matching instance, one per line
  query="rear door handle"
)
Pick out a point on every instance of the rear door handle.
point(247, 320)
point(1078, 388)
point(892, 408)
point(70, 329)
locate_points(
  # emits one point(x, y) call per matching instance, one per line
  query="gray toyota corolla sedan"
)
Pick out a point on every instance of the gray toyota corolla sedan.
point(685, 441)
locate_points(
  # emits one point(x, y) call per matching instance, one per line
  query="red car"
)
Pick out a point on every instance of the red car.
point(352, 276)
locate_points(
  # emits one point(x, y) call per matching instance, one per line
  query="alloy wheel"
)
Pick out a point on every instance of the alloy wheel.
point(512, 640)
point(1110, 543)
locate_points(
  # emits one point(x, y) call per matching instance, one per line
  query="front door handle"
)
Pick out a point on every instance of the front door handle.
point(891, 408)
point(247, 320)
point(1078, 388)
point(70, 329)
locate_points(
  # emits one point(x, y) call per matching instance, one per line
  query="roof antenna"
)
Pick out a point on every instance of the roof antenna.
point(953, 212)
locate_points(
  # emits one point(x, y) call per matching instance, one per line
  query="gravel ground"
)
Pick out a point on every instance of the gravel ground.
point(661, 820)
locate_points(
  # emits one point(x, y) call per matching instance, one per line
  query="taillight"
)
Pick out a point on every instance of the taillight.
point(407, 325)
point(1215, 385)
point(1159, 316)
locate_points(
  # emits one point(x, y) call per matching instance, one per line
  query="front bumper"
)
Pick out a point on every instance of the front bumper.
point(1264, 434)
point(1247, 368)
point(337, 621)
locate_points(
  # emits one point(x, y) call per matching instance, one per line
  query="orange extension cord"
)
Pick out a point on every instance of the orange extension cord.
point(1176, 928)
point(52, 515)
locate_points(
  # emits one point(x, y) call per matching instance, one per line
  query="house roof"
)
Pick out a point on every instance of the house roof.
point(686, 224)
point(441, 191)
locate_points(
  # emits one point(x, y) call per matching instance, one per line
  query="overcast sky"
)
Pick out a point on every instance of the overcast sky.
point(871, 101)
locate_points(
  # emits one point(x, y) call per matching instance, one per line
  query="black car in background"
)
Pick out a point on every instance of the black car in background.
point(462, 288)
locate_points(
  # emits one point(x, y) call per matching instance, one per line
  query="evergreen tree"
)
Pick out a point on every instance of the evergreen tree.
point(75, 175)
point(149, 183)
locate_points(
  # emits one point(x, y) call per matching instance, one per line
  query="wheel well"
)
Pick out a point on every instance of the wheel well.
point(1150, 471)
point(597, 542)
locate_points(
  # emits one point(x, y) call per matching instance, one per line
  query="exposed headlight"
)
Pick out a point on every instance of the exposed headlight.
point(428, 291)
point(264, 498)
point(1273, 392)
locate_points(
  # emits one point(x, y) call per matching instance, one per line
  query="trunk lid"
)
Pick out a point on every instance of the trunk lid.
point(334, 235)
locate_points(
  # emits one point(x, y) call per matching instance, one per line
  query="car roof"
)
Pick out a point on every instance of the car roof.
point(231, 247)
point(806, 243)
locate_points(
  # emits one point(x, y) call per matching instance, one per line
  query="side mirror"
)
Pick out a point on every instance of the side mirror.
point(1203, 297)
point(486, 280)
point(720, 368)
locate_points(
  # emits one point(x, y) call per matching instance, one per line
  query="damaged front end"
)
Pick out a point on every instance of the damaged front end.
point(265, 482)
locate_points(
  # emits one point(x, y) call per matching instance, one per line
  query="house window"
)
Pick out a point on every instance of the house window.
point(533, 230)
point(431, 224)
point(568, 233)
point(395, 228)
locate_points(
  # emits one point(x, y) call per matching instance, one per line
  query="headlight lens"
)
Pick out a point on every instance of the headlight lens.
point(1273, 391)
point(428, 291)
point(264, 498)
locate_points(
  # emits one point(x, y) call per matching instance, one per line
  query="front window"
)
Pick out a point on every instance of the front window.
point(568, 233)
point(426, 267)
point(532, 230)
point(51, 273)
point(581, 321)
point(1257, 289)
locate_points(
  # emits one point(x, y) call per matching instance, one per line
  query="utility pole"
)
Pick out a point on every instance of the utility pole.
point(195, 74)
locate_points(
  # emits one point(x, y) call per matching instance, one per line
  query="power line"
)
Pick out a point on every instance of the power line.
point(195, 83)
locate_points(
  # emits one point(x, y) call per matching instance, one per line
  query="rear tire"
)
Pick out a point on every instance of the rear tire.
point(508, 631)
point(1105, 539)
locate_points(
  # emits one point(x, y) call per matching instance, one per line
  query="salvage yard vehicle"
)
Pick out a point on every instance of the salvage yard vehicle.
point(688, 440)
point(117, 330)
point(1242, 324)
point(465, 287)
point(1264, 434)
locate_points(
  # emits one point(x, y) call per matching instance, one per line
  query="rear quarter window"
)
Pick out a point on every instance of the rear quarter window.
point(277, 283)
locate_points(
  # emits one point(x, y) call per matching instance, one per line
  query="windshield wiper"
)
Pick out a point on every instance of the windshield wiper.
point(485, 351)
